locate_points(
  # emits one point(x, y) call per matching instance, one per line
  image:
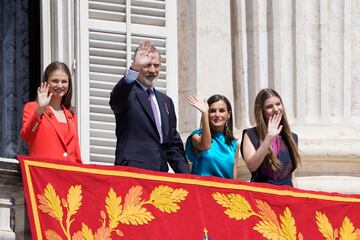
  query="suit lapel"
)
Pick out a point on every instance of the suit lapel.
point(53, 122)
point(71, 124)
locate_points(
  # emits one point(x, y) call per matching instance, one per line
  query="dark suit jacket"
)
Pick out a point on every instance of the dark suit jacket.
point(138, 141)
point(44, 138)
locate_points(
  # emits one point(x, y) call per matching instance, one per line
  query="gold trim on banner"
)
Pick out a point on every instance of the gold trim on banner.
point(173, 179)
point(33, 202)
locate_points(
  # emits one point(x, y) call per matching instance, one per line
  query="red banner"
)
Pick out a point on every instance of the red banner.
point(74, 202)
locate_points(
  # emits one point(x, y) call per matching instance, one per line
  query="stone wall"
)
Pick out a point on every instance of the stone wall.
point(309, 51)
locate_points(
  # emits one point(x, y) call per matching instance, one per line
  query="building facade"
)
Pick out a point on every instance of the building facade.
point(309, 51)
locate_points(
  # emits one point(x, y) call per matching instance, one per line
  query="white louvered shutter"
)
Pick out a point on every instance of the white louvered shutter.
point(113, 30)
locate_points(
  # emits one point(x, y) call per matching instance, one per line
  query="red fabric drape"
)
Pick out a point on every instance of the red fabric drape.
point(73, 201)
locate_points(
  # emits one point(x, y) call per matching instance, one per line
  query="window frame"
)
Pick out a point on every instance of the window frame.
point(82, 71)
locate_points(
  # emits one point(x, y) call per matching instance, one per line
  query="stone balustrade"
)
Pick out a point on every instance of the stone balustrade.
point(13, 222)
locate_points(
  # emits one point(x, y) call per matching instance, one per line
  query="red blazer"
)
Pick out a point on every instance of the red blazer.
point(43, 137)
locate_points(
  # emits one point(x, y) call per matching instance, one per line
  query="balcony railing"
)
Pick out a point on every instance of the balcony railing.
point(13, 224)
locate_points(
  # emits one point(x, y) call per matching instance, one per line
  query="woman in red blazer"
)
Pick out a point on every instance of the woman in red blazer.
point(49, 124)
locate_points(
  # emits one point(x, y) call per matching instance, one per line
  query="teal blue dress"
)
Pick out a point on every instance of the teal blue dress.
point(217, 161)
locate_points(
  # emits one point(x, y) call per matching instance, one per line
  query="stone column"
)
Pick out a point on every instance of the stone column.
point(328, 134)
point(309, 52)
point(6, 233)
point(22, 228)
point(257, 48)
point(205, 64)
point(187, 62)
point(307, 45)
point(281, 52)
point(354, 32)
point(241, 106)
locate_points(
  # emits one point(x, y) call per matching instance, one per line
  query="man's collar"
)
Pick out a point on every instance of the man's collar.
point(145, 88)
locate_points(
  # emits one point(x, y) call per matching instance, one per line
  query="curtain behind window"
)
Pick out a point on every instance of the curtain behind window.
point(14, 73)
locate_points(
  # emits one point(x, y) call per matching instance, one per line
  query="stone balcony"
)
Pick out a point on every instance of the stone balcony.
point(12, 207)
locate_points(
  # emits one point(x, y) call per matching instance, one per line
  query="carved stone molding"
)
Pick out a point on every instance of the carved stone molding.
point(12, 200)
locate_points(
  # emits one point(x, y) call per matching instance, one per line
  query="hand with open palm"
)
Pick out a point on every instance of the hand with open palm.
point(200, 104)
point(143, 55)
point(274, 127)
point(43, 97)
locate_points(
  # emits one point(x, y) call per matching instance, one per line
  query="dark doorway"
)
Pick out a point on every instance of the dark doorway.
point(19, 68)
point(34, 48)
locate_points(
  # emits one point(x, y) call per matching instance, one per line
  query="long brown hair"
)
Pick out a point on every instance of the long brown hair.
point(66, 99)
point(261, 129)
point(228, 129)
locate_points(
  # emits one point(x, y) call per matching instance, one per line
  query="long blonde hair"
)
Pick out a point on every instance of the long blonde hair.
point(261, 129)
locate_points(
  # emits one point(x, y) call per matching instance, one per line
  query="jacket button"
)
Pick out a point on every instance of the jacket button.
point(65, 154)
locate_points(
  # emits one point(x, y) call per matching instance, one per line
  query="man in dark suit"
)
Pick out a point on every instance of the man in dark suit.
point(145, 118)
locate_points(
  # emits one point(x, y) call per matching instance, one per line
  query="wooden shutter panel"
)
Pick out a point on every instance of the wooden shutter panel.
point(112, 39)
point(107, 64)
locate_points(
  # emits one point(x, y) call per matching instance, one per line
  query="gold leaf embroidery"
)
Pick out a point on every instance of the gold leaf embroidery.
point(103, 233)
point(133, 212)
point(50, 203)
point(52, 235)
point(43, 205)
point(119, 233)
point(222, 199)
point(179, 195)
point(113, 208)
point(266, 212)
point(300, 236)
point(165, 198)
point(64, 203)
point(324, 226)
point(357, 232)
point(87, 233)
point(136, 215)
point(74, 199)
point(347, 230)
point(133, 196)
point(269, 230)
point(237, 206)
point(77, 236)
point(288, 225)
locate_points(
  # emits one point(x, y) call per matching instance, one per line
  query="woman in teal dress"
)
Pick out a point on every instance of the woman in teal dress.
point(213, 149)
